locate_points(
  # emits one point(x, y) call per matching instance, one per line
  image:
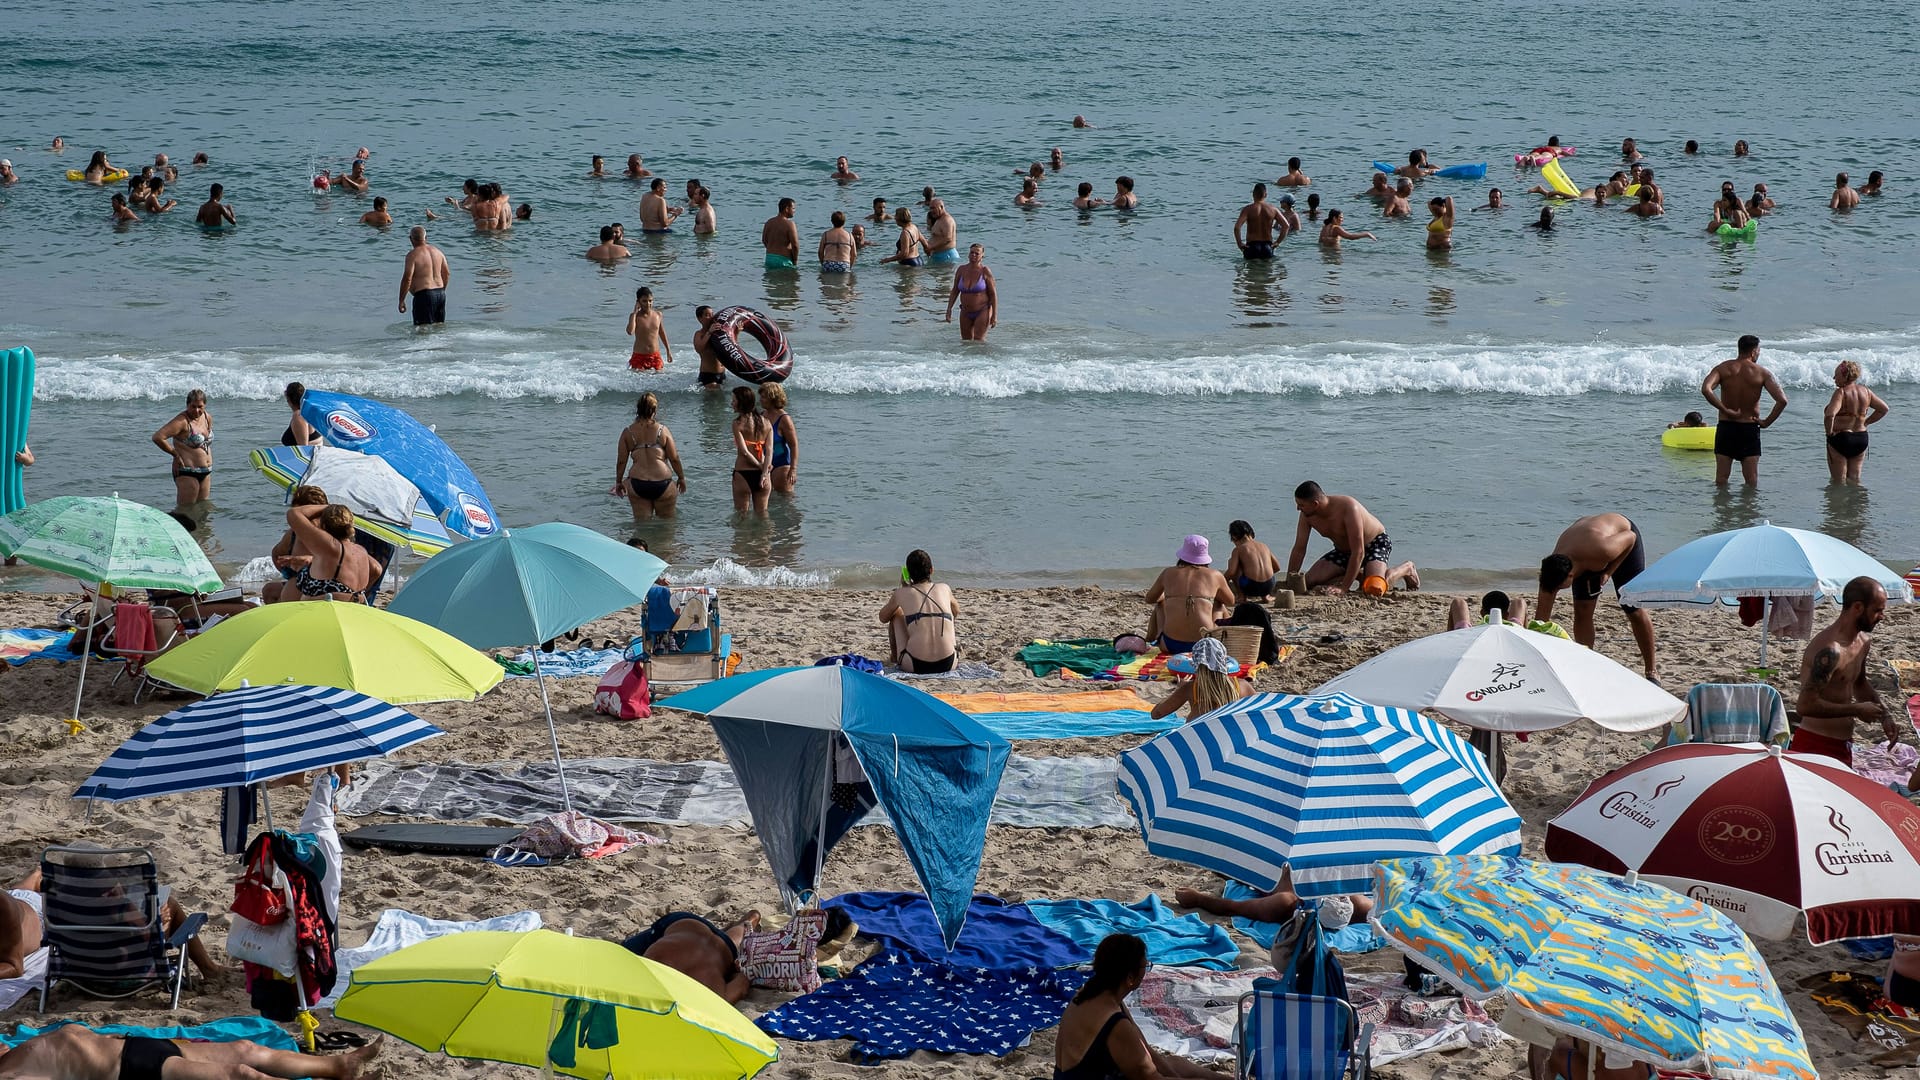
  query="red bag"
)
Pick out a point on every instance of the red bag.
point(623, 692)
point(254, 897)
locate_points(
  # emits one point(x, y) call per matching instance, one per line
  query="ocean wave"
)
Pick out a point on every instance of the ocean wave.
point(516, 364)
point(728, 572)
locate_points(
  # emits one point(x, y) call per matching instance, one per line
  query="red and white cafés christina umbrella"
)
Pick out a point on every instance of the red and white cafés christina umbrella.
point(1758, 834)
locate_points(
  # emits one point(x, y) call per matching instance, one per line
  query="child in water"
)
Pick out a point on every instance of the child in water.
point(1692, 419)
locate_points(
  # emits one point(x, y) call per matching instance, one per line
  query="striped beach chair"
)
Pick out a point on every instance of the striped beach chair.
point(103, 923)
point(1283, 1036)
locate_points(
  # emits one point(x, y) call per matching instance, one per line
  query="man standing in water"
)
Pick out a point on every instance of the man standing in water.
point(713, 376)
point(781, 237)
point(424, 277)
point(943, 234)
point(1354, 531)
point(1834, 689)
point(1595, 549)
point(1733, 387)
point(1262, 225)
point(649, 334)
point(655, 215)
point(214, 213)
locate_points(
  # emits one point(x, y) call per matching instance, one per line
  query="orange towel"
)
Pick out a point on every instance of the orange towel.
point(1091, 701)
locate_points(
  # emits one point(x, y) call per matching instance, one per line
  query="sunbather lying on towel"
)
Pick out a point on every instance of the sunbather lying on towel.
point(19, 928)
point(75, 1053)
point(171, 916)
point(1278, 906)
point(695, 947)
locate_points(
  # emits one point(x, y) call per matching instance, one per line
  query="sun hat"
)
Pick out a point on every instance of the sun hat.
point(1207, 653)
point(1335, 912)
point(1286, 200)
point(1194, 550)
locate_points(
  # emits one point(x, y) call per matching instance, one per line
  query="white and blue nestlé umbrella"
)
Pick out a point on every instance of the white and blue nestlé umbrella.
point(252, 735)
point(414, 450)
point(1325, 785)
point(1762, 560)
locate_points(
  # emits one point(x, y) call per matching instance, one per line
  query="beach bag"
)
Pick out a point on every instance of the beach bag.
point(272, 947)
point(623, 692)
point(255, 896)
point(784, 959)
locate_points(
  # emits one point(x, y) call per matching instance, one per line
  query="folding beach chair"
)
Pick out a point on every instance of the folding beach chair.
point(103, 923)
point(1283, 1036)
point(682, 644)
point(140, 633)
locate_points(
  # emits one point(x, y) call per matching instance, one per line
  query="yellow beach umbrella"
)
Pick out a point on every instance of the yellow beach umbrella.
point(315, 643)
point(580, 1006)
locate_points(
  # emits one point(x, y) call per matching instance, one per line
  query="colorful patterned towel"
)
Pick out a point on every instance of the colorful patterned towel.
point(892, 1006)
point(1856, 1002)
point(1061, 716)
point(1152, 667)
point(19, 646)
point(1088, 701)
point(562, 665)
point(1086, 656)
point(1885, 764)
point(998, 935)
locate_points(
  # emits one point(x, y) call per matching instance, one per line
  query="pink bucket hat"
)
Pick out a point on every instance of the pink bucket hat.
point(1194, 550)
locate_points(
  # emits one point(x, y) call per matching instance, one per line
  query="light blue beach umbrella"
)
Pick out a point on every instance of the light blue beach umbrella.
point(252, 735)
point(414, 451)
point(1763, 560)
point(526, 587)
point(1325, 785)
point(934, 770)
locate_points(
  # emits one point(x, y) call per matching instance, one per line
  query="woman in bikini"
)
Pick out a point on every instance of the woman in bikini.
point(1440, 229)
point(1097, 1038)
point(752, 481)
point(919, 619)
point(1851, 410)
point(786, 440)
point(909, 249)
point(339, 568)
point(646, 464)
point(299, 432)
point(186, 439)
point(979, 303)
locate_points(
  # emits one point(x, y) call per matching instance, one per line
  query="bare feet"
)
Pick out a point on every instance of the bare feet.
point(1413, 578)
point(354, 1062)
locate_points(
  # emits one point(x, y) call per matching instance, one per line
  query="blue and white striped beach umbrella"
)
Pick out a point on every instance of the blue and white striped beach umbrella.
point(1327, 785)
point(251, 735)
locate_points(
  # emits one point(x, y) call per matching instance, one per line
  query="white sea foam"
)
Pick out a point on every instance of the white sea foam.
point(504, 364)
point(728, 572)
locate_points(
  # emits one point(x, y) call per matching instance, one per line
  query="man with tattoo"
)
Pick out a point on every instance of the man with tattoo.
point(1834, 691)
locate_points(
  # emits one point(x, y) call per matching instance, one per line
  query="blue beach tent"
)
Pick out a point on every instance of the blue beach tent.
point(932, 768)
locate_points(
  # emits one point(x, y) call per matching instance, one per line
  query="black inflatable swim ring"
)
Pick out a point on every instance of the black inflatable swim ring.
point(729, 324)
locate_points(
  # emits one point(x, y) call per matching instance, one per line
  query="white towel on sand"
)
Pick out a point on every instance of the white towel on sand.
point(399, 928)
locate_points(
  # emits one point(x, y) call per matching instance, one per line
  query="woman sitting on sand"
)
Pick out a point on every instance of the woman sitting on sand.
point(646, 464)
point(339, 567)
point(919, 617)
point(1212, 685)
point(1097, 1039)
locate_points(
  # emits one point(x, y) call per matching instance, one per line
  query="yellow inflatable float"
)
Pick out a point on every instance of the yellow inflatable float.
point(1688, 438)
point(113, 177)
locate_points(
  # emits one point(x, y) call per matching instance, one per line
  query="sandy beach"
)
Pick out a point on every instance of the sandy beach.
point(721, 872)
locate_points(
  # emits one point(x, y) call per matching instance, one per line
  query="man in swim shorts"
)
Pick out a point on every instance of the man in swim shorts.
point(1733, 388)
point(1294, 177)
point(1341, 519)
point(1252, 571)
point(838, 249)
point(713, 374)
point(1187, 597)
point(649, 333)
point(943, 234)
point(213, 213)
point(424, 278)
point(608, 249)
point(1844, 197)
point(655, 215)
point(1594, 550)
point(843, 172)
point(1834, 689)
point(781, 237)
point(73, 1052)
point(693, 946)
point(378, 217)
point(880, 213)
point(1262, 225)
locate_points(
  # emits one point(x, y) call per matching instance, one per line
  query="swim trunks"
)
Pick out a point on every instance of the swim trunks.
point(656, 232)
point(830, 266)
point(429, 306)
point(1737, 439)
point(1257, 249)
point(1378, 550)
point(1848, 444)
point(779, 262)
point(1256, 590)
point(712, 378)
point(950, 255)
point(142, 1058)
point(1812, 742)
point(1174, 646)
point(1589, 586)
point(639, 943)
point(915, 261)
point(30, 898)
point(649, 361)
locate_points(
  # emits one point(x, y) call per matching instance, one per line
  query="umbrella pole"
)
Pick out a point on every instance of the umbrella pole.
point(553, 733)
point(266, 807)
point(820, 838)
point(73, 726)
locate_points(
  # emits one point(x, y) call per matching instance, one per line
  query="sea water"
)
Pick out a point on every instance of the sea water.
point(1144, 382)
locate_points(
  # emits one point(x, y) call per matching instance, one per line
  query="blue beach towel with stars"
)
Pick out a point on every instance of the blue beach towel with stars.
point(895, 1004)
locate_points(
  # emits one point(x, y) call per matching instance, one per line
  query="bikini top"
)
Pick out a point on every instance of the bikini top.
point(979, 284)
point(197, 440)
point(936, 613)
point(1097, 1063)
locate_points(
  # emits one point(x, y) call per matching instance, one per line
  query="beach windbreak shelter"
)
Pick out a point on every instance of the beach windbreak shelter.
point(933, 769)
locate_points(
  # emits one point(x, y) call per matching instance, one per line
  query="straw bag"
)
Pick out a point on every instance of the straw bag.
point(1241, 642)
